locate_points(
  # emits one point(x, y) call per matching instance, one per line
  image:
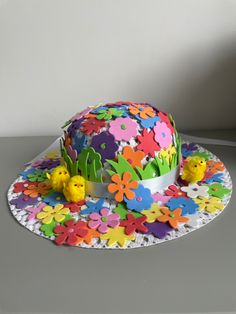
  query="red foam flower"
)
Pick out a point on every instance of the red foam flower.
point(75, 207)
point(164, 118)
point(133, 224)
point(175, 192)
point(92, 125)
point(22, 186)
point(147, 143)
point(71, 233)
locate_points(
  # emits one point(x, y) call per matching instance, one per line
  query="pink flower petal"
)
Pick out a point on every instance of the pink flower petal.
point(104, 211)
point(95, 216)
point(103, 228)
point(113, 223)
point(93, 224)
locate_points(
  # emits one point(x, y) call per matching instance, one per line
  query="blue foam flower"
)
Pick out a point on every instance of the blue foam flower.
point(188, 149)
point(25, 173)
point(217, 177)
point(53, 198)
point(142, 200)
point(96, 110)
point(187, 205)
point(93, 207)
point(149, 122)
point(79, 142)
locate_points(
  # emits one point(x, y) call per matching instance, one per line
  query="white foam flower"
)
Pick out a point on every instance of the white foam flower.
point(194, 190)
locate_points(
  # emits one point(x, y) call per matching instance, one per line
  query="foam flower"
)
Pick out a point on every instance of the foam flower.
point(149, 122)
point(105, 145)
point(117, 236)
point(123, 128)
point(133, 224)
point(71, 232)
point(72, 153)
point(167, 153)
point(75, 207)
point(101, 221)
point(153, 213)
point(194, 190)
point(48, 229)
point(174, 191)
point(217, 177)
point(187, 205)
point(158, 229)
point(49, 213)
point(108, 113)
point(23, 200)
point(142, 199)
point(37, 176)
point(75, 125)
point(53, 198)
point(211, 205)
point(22, 186)
point(160, 198)
point(34, 210)
point(122, 211)
point(218, 190)
point(49, 164)
point(133, 157)
point(92, 125)
point(90, 236)
point(164, 118)
point(172, 217)
point(26, 172)
point(143, 111)
point(147, 143)
point(79, 142)
point(188, 149)
point(53, 154)
point(162, 134)
point(215, 166)
point(122, 186)
point(93, 207)
point(36, 190)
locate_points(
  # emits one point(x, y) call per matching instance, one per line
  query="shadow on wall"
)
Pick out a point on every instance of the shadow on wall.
point(201, 91)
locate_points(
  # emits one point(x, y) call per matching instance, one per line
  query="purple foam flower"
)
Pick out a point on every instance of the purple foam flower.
point(75, 125)
point(23, 200)
point(48, 164)
point(105, 145)
point(80, 114)
point(188, 149)
point(158, 229)
point(72, 153)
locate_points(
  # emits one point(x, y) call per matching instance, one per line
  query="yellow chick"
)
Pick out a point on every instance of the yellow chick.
point(194, 169)
point(58, 177)
point(74, 189)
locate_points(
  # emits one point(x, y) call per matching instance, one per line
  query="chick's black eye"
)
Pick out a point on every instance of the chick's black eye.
point(201, 162)
point(59, 172)
point(65, 172)
point(75, 184)
point(195, 166)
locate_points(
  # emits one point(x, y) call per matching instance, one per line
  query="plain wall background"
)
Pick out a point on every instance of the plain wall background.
point(58, 56)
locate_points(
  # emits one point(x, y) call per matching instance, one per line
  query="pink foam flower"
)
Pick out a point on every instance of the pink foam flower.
point(162, 134)
point(101, 221)
point(123, 128)
point(33, 211)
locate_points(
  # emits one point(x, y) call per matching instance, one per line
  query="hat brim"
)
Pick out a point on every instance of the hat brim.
point(25, 214)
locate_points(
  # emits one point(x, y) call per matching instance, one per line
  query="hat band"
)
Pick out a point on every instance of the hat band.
point(95, 189)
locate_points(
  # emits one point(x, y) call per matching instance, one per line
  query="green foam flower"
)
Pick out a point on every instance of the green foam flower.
point(108, 113)
point(37, 176)
point(122, 211)
point(218, 190)
point(47, 229)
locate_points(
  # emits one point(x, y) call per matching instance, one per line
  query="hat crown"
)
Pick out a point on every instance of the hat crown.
point(123, 136)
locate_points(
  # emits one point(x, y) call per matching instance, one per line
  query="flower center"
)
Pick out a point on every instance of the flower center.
point(103, 146)
point(70, 230)
point(139, 198)
point(163, 134)
point(195, 189)
point(215, 189)
point(104, 219)
point(58, 198)
point(172, 215)
point(130, 161)
point(123, 126)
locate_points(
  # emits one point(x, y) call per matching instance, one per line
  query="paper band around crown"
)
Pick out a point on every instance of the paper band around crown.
point(95, 189)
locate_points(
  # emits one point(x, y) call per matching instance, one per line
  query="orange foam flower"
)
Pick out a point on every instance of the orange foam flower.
point(133, 157)
point(172, 216)
point(122, 186)
point(37, 190)
point(214, 166)
point(143, 111)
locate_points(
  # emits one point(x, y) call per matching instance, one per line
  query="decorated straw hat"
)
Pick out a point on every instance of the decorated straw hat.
point(120, 178)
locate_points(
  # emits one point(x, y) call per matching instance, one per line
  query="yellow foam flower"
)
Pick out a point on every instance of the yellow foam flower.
point(117, 235)
point(53, 154)
point(49, 213)
point(167, 153)
point(153, 213)
point(211, 205)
